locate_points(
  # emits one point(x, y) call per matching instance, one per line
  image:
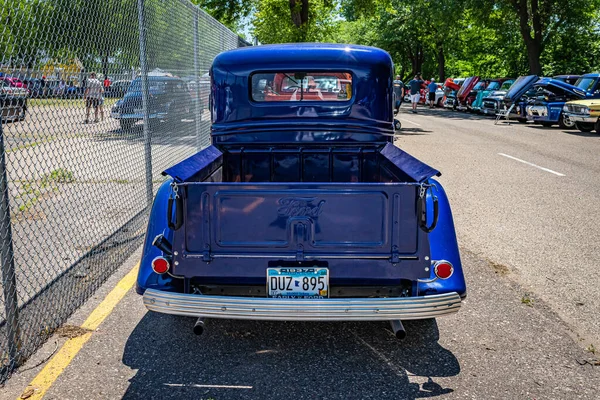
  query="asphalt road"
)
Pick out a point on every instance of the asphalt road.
point(527, 238)
point(540, 226)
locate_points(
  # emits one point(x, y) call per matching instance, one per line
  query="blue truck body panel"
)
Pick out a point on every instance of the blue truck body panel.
point(289, 184)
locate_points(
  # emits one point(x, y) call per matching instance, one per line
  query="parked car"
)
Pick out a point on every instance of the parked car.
point(118, 88)
point(34, 87)
point(552, 94)
point(585, 114)
point(199, 88)
point(466, 95)
point(302, 208)
point(494, 85)
point(13, 101)
point(13, 82)
point(451, 87)
point(570, 79)
point(170, 101)
point(439, 95)
point(517, 95)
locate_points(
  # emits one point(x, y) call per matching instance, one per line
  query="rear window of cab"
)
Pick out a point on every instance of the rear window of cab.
point(301, 86)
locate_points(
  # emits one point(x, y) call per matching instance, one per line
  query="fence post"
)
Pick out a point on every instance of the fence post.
point(199, 111)
point(145, 101)
point(9, 281)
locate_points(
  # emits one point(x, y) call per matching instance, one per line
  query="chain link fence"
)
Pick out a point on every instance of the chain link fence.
point(96, 99)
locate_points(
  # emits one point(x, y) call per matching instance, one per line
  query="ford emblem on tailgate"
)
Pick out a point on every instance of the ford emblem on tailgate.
point(299, 207)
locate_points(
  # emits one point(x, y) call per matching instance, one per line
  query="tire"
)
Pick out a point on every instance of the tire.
point(126, 124)
point(585, 126)
point(440, 103)
point(598, 126)
point(564, 122)
point(397, 125)
point(522, 121)
point(546, 124)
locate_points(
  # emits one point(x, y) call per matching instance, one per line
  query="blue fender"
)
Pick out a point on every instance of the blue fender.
point(157, 224)
point(443, 246)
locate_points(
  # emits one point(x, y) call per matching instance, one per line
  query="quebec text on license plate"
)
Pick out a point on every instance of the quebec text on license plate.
point(298, 283)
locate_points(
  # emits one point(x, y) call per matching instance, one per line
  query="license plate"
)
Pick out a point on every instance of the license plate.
point(298, 283)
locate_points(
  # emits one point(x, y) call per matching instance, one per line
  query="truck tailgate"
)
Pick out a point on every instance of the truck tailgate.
point(298, 221)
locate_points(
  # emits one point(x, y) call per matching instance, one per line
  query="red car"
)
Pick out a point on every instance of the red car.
point(13, 82)
point(468, 93)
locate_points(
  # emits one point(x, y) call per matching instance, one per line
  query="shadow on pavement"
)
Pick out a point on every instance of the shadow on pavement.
point(445, 113)
point(284, 360)
point(413, 131)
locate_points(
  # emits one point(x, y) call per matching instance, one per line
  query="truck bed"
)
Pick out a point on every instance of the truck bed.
point(352, 210)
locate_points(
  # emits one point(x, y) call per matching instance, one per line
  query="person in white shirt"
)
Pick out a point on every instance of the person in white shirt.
point(93, 97)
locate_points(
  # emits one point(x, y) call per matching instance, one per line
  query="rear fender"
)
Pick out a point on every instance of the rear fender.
point(443, 245)
point(157, 224)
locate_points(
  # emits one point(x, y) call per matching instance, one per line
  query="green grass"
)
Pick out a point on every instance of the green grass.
point(67, 103)
point(528, 301)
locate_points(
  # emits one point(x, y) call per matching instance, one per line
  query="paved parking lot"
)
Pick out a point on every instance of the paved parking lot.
point(523, 199)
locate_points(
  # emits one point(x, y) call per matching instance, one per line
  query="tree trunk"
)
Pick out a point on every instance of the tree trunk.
point(533, 54)
point(299, 14)
point(533, 44)
point(441, 59)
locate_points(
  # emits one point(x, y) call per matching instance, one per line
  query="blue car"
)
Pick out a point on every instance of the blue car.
point(169, 101)
point(552, 94)
point(302, 208)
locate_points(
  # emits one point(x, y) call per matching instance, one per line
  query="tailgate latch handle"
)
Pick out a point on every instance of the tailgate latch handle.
point(422, 210)
point(178, 203)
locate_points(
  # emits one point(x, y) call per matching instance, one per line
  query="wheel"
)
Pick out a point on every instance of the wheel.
point(585, 126)
point(598, 126)
point(126, 124)
point(397, 125)
point(564, 122)
point(546, 124)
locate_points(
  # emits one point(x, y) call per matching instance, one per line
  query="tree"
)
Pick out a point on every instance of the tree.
point(541, 21)
point(276, 21)
point(230, 13)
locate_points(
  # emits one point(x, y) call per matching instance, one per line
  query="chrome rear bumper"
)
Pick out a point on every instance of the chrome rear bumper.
point(260, 308)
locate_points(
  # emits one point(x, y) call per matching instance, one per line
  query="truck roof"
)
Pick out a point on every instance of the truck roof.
point(291, 54)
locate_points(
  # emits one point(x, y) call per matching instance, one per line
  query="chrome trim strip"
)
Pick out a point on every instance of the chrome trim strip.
point(274, 309)
point(582, 118)
point(305, 256)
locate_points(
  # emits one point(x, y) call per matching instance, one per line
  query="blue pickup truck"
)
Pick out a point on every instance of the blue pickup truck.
point(546, 108)
point(302, 208)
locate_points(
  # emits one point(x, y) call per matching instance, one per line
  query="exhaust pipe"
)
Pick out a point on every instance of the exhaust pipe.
point(398, 329)
point(199, 326)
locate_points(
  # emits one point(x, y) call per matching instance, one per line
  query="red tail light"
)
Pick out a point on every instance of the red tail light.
point(160, 265)
point(443, 269)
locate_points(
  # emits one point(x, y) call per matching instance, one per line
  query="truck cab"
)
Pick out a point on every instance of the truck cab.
point(302, 208)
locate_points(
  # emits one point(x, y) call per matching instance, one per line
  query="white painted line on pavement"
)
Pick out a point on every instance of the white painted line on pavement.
point(532, 164)
point(410, 122)
point(207, 386)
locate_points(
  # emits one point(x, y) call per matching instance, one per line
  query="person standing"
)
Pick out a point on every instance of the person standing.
point(398, 93)
point(432, 87)
point(93, 97)
point(415, 91)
